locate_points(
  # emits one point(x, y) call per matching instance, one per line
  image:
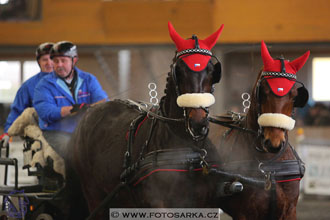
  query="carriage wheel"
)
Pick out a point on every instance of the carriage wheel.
point(44, 216)
point(3, 215)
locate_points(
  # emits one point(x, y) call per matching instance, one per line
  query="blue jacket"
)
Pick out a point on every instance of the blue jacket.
point(51, 94)
point(23, 98)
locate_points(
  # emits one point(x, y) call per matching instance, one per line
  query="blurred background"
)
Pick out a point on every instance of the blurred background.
point(126, 45)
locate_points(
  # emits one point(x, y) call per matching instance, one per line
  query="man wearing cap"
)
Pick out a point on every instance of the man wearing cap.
point(65, 91)
point(24, 96)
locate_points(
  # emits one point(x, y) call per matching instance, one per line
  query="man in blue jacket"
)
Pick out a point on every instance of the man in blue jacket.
point(65, 91)
point(24, 96)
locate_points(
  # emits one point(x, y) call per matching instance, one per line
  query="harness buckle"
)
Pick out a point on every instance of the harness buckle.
point(268, 182)
point(205, 166)
point(235, 116)
point(260, 168)
point(127, 160)
point(205, 169)
point(270, 179)
point(151, 117)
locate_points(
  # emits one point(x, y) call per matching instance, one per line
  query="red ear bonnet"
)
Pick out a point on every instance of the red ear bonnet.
point(281, 85)
point(196, 62)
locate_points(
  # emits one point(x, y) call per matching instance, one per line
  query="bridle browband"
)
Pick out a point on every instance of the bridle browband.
point(280, 75)
point(193, 51)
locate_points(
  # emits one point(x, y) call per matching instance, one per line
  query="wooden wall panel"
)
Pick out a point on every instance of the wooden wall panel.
point(78, 21)
point(97, 22)
point(147, 21)
point(274, 21)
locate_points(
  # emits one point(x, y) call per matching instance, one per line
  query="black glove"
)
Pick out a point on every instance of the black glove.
point(79, 107)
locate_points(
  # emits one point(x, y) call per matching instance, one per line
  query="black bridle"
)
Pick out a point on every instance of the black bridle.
point(300, 100)
point(217, 69)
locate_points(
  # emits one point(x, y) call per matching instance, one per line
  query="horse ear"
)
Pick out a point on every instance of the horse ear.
point(300, 61)
point(178, 40)
point(212, 39)
point(266, 57)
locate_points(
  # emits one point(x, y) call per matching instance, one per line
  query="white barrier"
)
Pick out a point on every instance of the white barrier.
point(317, 176)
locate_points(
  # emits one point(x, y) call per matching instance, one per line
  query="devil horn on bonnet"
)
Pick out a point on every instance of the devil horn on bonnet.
point(212, 39)
point(209, 41)
point(300, 61)
point(178, 40)
point(266, 57)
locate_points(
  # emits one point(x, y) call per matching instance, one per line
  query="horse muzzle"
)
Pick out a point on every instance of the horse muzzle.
point(273, 145)
point(198, 129)
point(195, 105)
point(274, 127)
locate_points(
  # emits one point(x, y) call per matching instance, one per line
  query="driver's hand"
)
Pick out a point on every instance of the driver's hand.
point(4, 140)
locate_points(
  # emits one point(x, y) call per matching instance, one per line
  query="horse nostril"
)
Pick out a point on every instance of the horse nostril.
point(270, 147)
point(267, 143)
point(200, 128)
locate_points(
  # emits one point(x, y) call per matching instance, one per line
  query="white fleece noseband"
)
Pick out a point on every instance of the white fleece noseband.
point(195, 100)
point(276, 120)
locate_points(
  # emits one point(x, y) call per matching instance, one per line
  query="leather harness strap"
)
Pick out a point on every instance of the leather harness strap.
point(184, 160)
point(273, 199)
point(189, 160)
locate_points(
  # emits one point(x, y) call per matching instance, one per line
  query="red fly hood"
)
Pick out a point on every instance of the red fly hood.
point(199, 54)
point(285, 76)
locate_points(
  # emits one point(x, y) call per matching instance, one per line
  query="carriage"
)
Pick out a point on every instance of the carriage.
point(33, 201)
point(39, 201)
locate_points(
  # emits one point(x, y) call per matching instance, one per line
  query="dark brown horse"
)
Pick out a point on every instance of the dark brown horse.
point(129, 155)
point(255, 151)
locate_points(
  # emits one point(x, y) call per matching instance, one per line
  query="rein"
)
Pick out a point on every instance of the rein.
point(143, 108)
point(231, 123)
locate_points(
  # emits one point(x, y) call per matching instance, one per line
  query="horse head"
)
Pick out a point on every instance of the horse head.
point(276, 93)
point(193, 75)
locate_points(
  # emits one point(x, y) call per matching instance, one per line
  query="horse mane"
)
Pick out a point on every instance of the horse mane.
point(253, 110)
point(169, 90)
point(168, 86)
point(169, 78)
